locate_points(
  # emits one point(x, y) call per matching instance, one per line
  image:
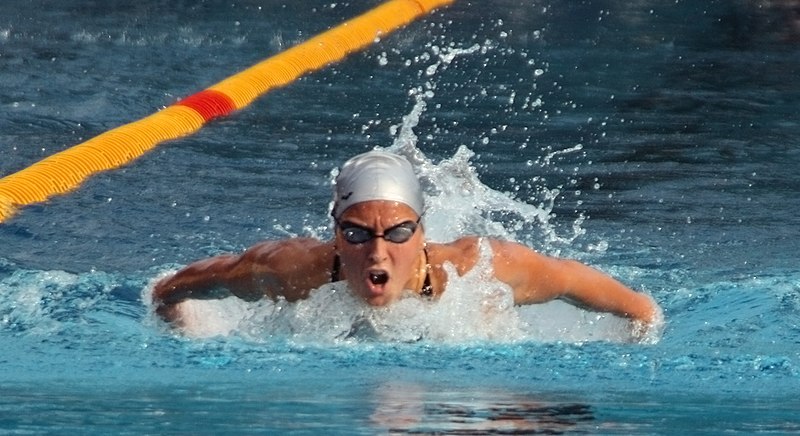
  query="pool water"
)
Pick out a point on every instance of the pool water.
point(656, 141)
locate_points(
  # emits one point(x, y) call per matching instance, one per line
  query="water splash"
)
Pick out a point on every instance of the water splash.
point(458, 203)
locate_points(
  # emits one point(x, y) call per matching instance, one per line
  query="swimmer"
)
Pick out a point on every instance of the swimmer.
point(379, 248)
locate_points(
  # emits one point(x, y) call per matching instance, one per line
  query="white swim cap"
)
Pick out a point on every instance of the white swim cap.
point(376, 175)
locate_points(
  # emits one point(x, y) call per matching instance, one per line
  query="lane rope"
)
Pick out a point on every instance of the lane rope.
point(64, 171)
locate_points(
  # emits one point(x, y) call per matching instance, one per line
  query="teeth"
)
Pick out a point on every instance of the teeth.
point(378, 278)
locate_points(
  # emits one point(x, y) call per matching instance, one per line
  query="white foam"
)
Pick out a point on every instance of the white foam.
point(24, 298)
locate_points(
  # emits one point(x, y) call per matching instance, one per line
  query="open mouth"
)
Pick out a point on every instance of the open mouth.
point(378, 277)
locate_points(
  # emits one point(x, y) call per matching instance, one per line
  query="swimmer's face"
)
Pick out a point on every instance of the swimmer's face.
point(378, 270)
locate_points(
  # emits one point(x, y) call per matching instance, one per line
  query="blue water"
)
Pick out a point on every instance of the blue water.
point(656, 141)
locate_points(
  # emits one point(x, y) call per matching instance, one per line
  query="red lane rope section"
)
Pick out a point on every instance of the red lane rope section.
point(209, 104)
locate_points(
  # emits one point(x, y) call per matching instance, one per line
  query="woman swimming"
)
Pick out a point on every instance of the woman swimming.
point(380, 249)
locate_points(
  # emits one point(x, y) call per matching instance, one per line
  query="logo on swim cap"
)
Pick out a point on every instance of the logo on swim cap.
point(377, 175)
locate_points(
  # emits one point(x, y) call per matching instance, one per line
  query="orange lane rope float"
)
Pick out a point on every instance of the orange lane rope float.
point(66, 170)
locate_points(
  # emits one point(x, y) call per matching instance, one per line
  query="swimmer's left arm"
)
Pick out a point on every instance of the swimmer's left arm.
point(536, 278)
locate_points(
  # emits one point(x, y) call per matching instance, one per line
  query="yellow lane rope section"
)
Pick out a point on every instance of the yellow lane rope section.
point(66, 170)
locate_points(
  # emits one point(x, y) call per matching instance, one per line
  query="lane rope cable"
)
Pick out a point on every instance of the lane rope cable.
point(64, 171)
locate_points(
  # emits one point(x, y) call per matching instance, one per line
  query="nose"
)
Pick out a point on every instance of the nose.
point(378, 250)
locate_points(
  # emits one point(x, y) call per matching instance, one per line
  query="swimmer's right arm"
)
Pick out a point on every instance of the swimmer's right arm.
point(287, 269)
point(212, 278)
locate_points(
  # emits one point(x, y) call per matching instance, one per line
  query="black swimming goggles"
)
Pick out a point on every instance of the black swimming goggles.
point(398, 234)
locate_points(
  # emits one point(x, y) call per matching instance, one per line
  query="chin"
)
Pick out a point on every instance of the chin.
point(379, 300)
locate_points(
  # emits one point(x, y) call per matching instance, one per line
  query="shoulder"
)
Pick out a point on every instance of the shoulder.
point(291, 267)
point(288, 254)
point(293, 247)
point(462, 253)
